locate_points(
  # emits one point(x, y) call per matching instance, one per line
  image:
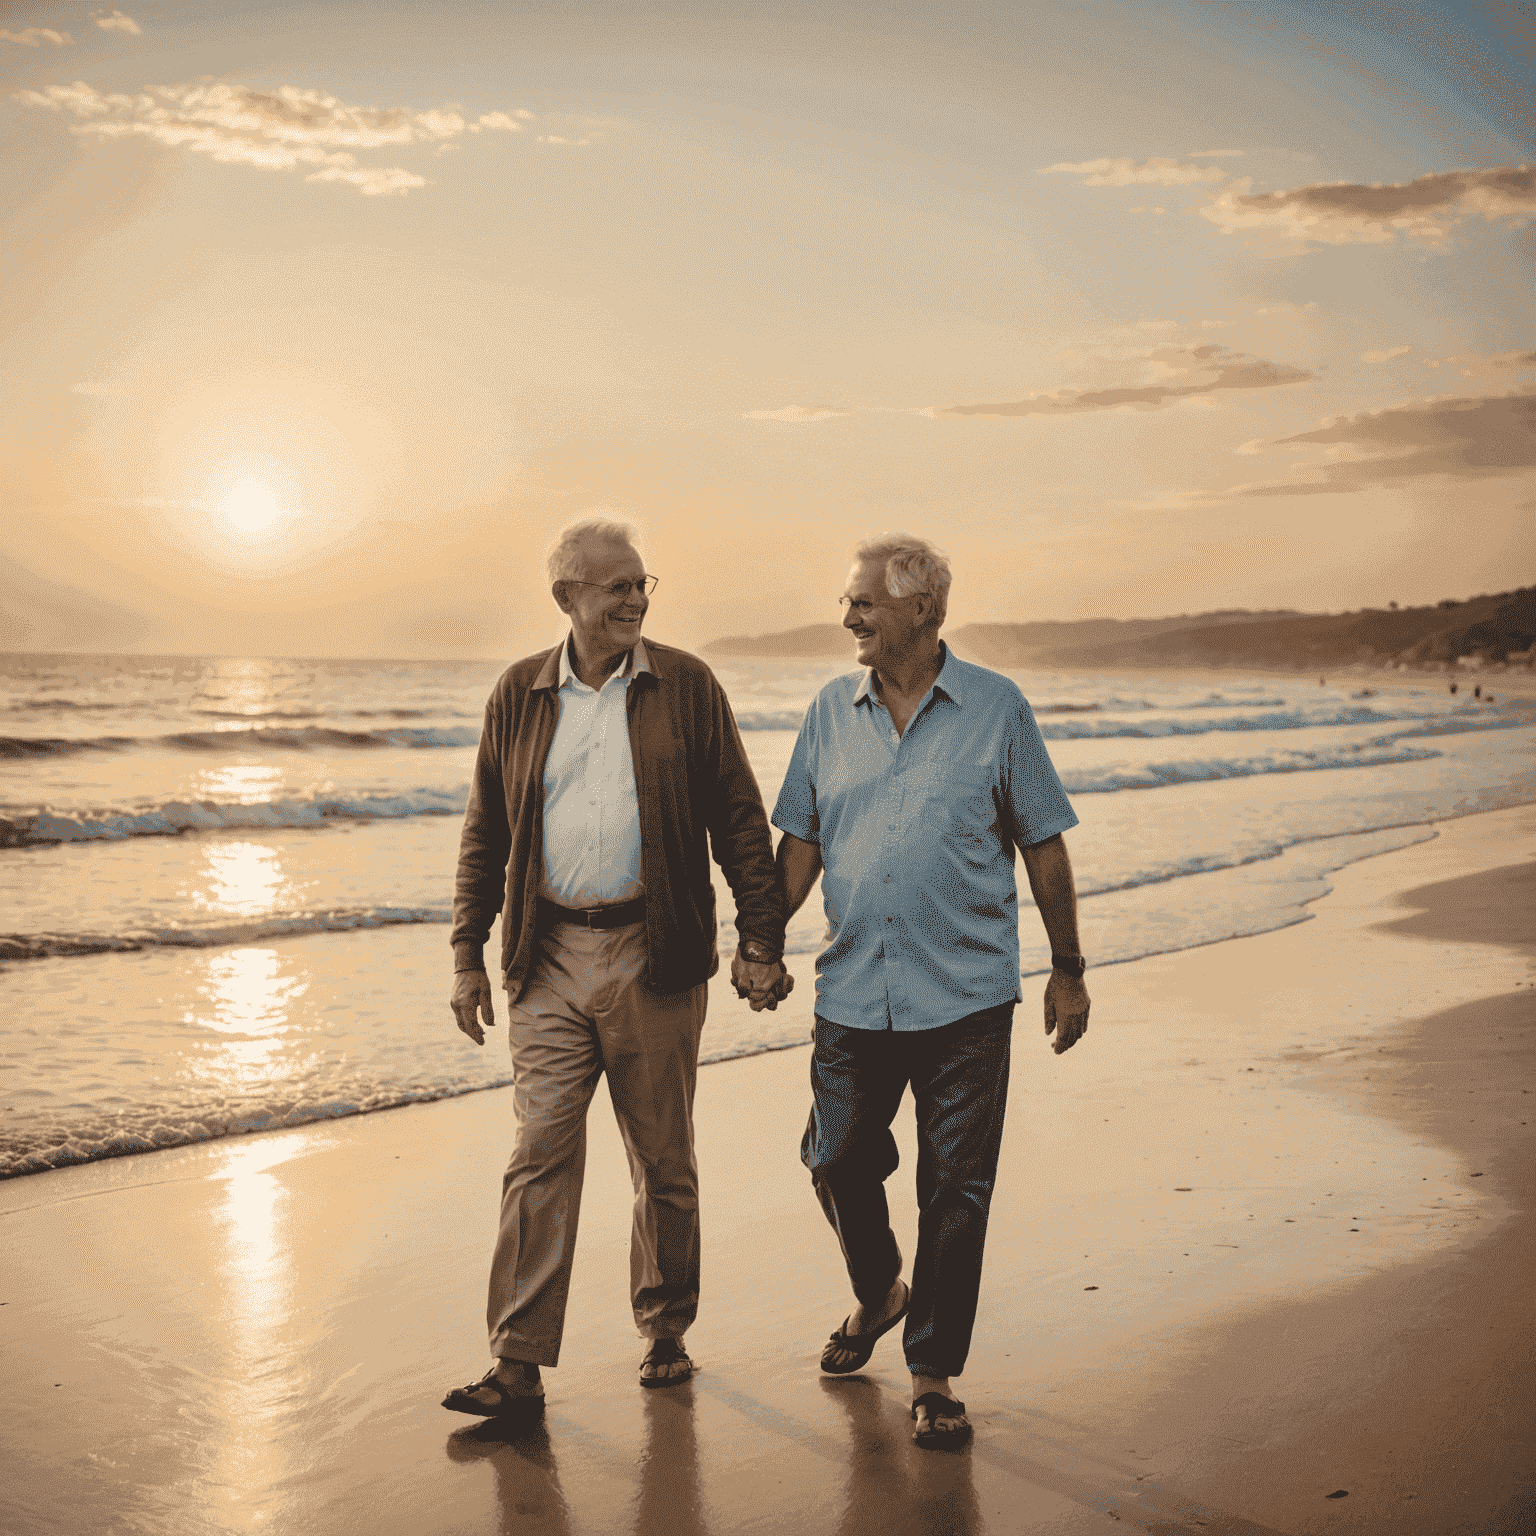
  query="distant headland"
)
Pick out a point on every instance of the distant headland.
point(1487, 630)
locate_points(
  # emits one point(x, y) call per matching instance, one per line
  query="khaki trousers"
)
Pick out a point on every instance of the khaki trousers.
point(587, 1011)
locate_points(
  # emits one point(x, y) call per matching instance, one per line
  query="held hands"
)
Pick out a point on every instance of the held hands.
point(1066, 1010)
point(472, 996)
point(763, 985)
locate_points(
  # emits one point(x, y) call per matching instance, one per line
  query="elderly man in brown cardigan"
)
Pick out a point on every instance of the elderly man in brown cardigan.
point(608, 769)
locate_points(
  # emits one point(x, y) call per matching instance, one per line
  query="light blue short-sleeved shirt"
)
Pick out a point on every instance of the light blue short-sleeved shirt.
point(917, 838)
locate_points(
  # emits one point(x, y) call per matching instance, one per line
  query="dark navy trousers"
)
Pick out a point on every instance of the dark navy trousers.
point(959, 1079)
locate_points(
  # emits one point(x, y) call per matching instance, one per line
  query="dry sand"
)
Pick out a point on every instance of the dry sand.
point(1265, 1235)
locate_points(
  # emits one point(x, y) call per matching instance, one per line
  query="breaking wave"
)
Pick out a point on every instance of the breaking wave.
point(176, 816)
point(273, 925)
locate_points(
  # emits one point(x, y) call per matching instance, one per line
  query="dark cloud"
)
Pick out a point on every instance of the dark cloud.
point(1474, 438)
point(1349, 212)
point(1182, 372)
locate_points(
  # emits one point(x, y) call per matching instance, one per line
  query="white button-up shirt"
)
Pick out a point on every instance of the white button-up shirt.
point(591, 812)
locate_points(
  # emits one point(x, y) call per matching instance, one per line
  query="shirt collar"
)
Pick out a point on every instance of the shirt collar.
point(637, 660)
point(947, 682)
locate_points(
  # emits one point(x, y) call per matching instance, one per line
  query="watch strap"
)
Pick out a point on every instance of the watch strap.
point(1069, 965)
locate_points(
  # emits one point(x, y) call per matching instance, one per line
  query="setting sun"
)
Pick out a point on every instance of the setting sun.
point(251, 505)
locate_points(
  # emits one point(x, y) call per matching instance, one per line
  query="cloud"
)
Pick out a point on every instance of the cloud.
point(502, 122)
point(1385, 355)
point(1350, 213)
point(1136, 173)
point(35, 35)
point(117, 22)
point(1471, 438)
point(1179, 373)
point(796, 413)
point(289, 128)
point(1476, 365)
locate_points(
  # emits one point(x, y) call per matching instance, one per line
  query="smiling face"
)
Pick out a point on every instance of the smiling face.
point(886, 629)
point(604, 625)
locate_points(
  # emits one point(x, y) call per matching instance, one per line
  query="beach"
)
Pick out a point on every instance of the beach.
point(1258, 1262)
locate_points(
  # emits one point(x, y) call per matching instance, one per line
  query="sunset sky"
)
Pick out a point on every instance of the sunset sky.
point(322, 321)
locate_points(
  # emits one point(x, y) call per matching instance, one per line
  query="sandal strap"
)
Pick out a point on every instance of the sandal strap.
point(938, 1406)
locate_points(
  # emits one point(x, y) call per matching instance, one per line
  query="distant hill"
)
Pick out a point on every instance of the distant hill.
point(1488, 626)
point(810, 640)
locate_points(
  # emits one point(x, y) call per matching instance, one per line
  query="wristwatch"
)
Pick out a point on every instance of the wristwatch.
point(1069, 965)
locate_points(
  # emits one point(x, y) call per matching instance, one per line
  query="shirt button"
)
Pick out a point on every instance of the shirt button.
point(890, 826)
point(890, 919)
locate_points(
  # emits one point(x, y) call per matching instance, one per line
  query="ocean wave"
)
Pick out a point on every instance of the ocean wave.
point(1368, 754)
point(256, 739)
point(253, 930)
point(770, 719)
point(60, 746)
point(37, 1148)
point(275, 738)
point(260, 714)
point(1281, 720)
point(177, 816)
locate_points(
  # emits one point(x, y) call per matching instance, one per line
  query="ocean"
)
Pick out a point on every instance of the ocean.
point(226, 882)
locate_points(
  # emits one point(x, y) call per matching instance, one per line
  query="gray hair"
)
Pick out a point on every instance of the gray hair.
point(912, 565)
point(571, 551)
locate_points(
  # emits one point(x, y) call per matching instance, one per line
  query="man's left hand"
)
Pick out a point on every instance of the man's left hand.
point(1066, 1010)
point(764, 986)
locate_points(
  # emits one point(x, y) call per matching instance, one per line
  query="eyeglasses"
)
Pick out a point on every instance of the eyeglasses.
point(864, 604)
point(621, 589)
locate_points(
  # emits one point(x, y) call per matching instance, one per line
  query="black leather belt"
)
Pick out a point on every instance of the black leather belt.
point(619, 916)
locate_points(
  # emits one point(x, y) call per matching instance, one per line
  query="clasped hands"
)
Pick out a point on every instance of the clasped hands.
point(764, 985)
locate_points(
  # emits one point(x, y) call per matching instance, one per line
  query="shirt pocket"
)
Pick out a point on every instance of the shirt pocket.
point(960, 807)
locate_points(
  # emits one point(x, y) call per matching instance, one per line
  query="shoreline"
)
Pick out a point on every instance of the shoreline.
point(277, 1354)
point(796, 1010)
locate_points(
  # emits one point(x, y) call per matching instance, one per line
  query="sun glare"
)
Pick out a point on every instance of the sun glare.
point(251, 506)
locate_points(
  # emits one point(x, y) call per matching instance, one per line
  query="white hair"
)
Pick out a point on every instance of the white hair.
point(574, 546)
point(912, 565)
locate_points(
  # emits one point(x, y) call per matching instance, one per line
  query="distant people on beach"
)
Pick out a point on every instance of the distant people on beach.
point(609, 768)
point(910, 786)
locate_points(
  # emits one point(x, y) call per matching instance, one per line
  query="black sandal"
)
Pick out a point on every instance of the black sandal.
point(665, 1352)
point(936, 1405)
point(513, 1407)
point(861, 1345)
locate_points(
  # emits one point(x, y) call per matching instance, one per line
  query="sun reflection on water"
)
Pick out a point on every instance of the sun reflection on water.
point(240, 877)
point(247, 785)
point(247, 999)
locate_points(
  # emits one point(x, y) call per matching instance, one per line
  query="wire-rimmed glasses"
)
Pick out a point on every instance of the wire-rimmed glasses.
point(621, 589)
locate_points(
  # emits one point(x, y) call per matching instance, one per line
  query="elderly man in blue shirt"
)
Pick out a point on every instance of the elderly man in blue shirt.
point(910, 787)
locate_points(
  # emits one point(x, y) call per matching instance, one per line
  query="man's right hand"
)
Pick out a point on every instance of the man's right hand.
point(471, 1002)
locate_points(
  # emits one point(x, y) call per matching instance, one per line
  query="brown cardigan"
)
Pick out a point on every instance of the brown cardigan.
point(692, 777)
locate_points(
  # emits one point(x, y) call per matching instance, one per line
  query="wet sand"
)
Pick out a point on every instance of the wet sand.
point(1263, 1236)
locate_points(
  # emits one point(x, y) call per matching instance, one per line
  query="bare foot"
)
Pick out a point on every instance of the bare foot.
point(664, 1369)
point(865, 1320)
point(941, 1423)
point(520, 1378)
